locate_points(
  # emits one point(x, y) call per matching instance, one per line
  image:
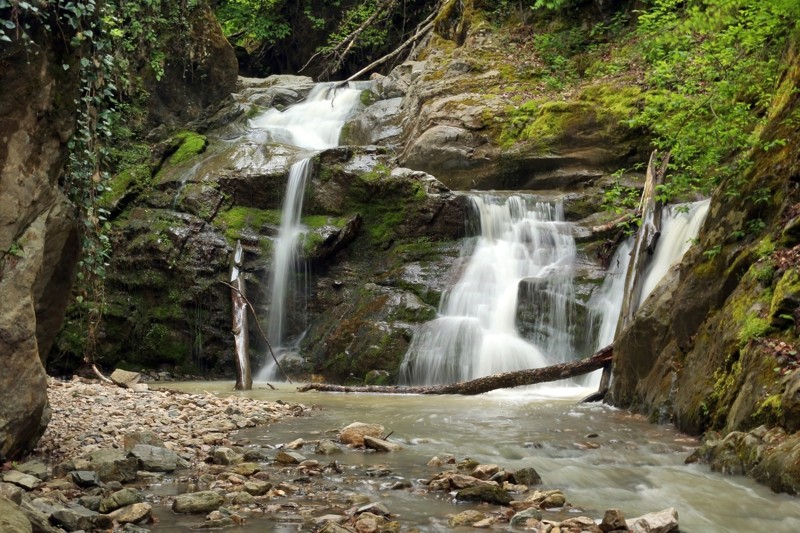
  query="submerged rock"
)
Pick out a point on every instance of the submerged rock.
point(197, 502)
point(354, 434)
point(484, 493)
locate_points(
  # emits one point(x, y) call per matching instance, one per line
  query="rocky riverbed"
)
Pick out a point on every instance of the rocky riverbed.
point(109, 451)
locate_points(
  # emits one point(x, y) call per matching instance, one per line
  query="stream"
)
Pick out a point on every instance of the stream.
point(630, 464)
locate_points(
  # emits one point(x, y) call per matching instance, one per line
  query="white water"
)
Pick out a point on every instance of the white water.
point(680, 224)
point(475, 334)
point(314, 124)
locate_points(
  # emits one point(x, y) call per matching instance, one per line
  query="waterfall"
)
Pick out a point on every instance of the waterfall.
point(314, 124)
point(680, 224)
point(475, 333)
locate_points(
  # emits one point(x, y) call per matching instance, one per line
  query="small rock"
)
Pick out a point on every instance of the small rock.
point(246, 469)
point(380, 444)
point(197, 502)
point(12, 519)
point(613, 520)
point(435, 461)
point(354, 433)
point(154, 458)
point(466, 518)
point(129, 440)
point(658, 522)
point(527, 476)
point(327, 447)
point(34, 468)
point(112, 465)
point(580, 524)
point(485, 493)
point(295, 444)
point(132, 514)
point(289, 458)
point(484, 471)
point(11, 492)
point(333, 527)
point(242, 498)
point(376, 508)
point(26, 481)
point(257, 488)
point(527, 519)
point(121, 498)
point(124, 378)
point(226, 456)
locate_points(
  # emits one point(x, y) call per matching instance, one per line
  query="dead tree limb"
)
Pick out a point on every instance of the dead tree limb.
point(263, 335)
point(503, 380)
point(424, 29)
point(244, 376)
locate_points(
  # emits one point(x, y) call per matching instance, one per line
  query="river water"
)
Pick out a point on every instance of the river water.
point(599, 456)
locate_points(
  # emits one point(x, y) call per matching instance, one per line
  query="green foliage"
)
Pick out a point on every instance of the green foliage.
point(712, 69)
point(250, 21)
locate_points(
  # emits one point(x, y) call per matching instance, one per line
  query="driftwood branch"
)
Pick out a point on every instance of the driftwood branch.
point(503, 380)
point(100, 374)
point(263, 335)
point(424, 29)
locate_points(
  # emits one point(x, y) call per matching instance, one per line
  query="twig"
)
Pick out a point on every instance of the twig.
point(263, 335)
point(100, 375)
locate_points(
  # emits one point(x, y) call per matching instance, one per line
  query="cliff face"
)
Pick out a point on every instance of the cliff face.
point(38, 236)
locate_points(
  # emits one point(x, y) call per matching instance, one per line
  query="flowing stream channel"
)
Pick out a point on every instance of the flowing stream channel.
point(630, 464)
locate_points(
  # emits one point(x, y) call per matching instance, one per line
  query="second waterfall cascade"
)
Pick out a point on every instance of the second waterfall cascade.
point(311, 125)
point(526, 243)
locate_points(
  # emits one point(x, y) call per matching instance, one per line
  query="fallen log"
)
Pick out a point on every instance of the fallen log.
point(503, 380)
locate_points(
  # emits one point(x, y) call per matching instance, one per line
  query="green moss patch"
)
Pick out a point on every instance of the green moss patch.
point(189, 144)
point(236, 220)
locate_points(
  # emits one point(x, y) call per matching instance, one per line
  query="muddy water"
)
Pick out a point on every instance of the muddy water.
point(599, 456)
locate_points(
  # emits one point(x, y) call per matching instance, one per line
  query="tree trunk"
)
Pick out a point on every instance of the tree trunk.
point(244, 378)
point(643, 249)
point(503, 380)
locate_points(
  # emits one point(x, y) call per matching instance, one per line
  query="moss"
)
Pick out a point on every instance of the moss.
point(753, 327)
point(320, 221)
point(235, 220)
point(785, 299)
point(311, 241)
point(764, 248)
point(189, 145)
point(770, 410)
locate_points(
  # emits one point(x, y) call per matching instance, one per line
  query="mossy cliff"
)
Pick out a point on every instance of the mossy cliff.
point(716, 347)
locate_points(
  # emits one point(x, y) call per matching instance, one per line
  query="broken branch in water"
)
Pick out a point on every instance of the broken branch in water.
point(504, 380)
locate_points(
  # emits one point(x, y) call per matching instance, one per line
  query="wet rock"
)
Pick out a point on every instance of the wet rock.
point(226, 456)
point(380, 445)
point(19, 479)
point(485, 493)
point(11, 492)
point(295, 444)
point(257, 488)
point(485, 471)
point(527, 476)
point(527, 519)
point(154, 458)
point(579, 524)
point(353, 434)
point(246, 469)
point(289, 458)
point(256, 455)
point(327, 447)
point(333, 527)
point(12, 519)
point(371, 523)
point(613, 520)
point(453, 480)
point(91, 502)
point(466, 518)
point(75, 517)
point(120, 498)
point(39, 520)
point(242, 498)
point(132, 514)
point(197, 502)
point(658, 522)
point(376, 508)
point(112, 465)
point(85, 478)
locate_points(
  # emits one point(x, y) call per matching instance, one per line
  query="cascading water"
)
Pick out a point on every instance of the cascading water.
point(680, 224)
point(475, 333)
point(314, 124)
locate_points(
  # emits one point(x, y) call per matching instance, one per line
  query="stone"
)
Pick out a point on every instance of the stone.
point(112, 465)
point(120, 498)
point(465, 518)
point(154, 458)
point(34, 468)
point(197, 502)
point(353, 434)
point(376, 508)
point(484, 471)
point(332, 527)
point(658, 522)
point(11, 492)
point(85, 478)
point(39, 520)
point(12, 519)
point(485, 493)
point(529, 516)
point(327, 447)
point(136, 513)
point(527, 476)
point(246, 469)
point(380, 445)
point(369, 523)
point(613, 520)
point(257, 488)
point(242, 498)
point(289, 458)
point(19, 479)
point(579, 524)
point(295, 444)
point(75, 516)
point(125, 378)
point(226, 456)
point(129, 440)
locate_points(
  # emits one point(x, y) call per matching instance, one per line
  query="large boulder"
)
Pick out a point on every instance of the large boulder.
point(38, 235)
